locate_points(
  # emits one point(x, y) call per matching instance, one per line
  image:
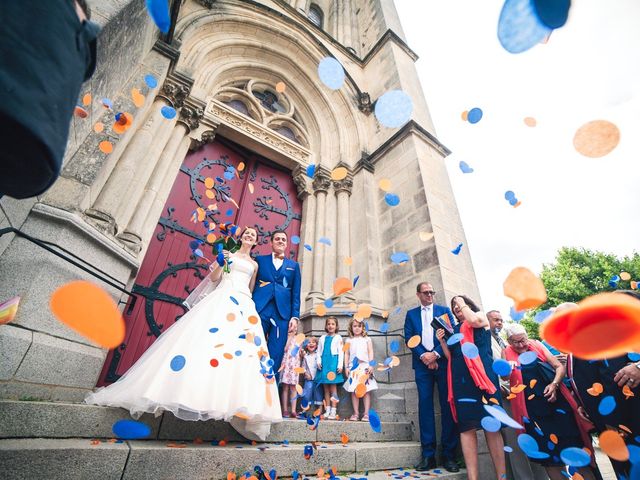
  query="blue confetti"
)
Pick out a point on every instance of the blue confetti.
point(508, 449)
point(470, 350)
point(474, 115)
point(168, 112)
point(399, 257)
point(515, 315)
point(177, 363)
point(393, 109)
point(392, 199)
point(455, 338)
point(394, 346)
point(328, 302)
point(501, 367)
point(130, 429)
point(464, 167)
point(331, 73)
point(490, 424)
point(552, 13)
point(456, 251)
point(374, 421)
point(519, 27)
point(151, 81)
point(295, 239)
point(311, 170)
point(575, 457)
point(633, 356)
point(543, 315)
point(325, 241)
point(527, 357)
point(257, 341)
point(107, 103)
point(355, 280)
point(234, 300)
point(607, 405)
point(213, 330)
point(500, 414)
point(308, 247)
point(384, 328)
point(159, 13)
point(238, 353)
point(467, 400)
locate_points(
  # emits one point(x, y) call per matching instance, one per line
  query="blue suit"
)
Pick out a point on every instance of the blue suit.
point(425, 380)
point(277, 298)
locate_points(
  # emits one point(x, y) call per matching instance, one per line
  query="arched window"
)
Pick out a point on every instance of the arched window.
point(315, 15)
point(239, 106)
point(269, 100)
point(287, 132)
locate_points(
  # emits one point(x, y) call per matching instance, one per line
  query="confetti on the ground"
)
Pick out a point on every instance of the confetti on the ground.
point(130, 429)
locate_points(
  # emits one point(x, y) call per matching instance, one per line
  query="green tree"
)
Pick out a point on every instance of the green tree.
point(532, 327)
point(578, 273)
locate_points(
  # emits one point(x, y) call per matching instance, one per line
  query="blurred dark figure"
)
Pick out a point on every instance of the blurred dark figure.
point(47, 50)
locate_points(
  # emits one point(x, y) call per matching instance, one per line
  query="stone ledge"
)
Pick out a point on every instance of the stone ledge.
point(14, 343)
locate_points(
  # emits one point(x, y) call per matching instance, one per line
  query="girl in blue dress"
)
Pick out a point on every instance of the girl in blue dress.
point(330, 363)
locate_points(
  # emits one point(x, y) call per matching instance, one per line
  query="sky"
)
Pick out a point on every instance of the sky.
point(588, 70)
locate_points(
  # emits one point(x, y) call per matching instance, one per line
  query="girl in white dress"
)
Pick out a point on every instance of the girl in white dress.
point(359, 372)
point(211, 364)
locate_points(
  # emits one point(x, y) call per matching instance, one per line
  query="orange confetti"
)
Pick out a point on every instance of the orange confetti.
point(231, 476)
point(211, 238)
point(348, 261)
point(331, 376)
point(612, 443)
point(317, 412)
point(299, 389)
point(98, 127)
point(280, 87)
point(95, 442)
point(137, 97)
point(601, 326)
point(124, 124)
point(201, 214)
point(395, 361)
point(208, 182)
point(320, 310)
point(414, 341)
point(554, 438)
point(231, 316)
point(339, 173)
point(106, 146)
point(222, 443)
point(299, 338)
point(253, 320)
point(321, 473)
point(80, 112)
point(626, 276)
point(360, 390)
point(241, 166)
point(344, 438)
point(341, 285)
point(627, 392)
point(176, 445)
point(385, 184)
point(298, 370)
point(86, 100)
point(511, 396)
point(345, 347)
point(525, 288)
point(267, 395)
point(198, 441)
point(242, 416)
point(530, 122)
point(465, 115)
point(385, 314)
point(595, 390)
point(90, 311)
point(596, 139)
point(228, 356)
point(518, 388)
point(364, 311)
point(531, 397)
point(210, 194)
point(533, 382)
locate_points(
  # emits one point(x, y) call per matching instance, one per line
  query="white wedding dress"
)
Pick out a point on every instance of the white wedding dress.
point(208, 365)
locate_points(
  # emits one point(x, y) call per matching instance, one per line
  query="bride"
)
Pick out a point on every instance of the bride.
point(211, 364)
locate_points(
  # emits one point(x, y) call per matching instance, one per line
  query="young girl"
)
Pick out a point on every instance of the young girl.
point(330, 362)
point(288, 376)
point(312, 392)
point(358, 370)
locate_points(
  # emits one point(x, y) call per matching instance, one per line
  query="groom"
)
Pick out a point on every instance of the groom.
point(277, 296)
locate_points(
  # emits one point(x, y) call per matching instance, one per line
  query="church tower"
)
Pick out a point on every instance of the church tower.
point(232, 93)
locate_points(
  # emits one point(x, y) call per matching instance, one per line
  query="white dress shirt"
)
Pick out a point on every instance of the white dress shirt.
point(277, 262)
point(427, 330)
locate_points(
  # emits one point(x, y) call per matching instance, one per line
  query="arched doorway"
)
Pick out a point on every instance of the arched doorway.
point(260, 193)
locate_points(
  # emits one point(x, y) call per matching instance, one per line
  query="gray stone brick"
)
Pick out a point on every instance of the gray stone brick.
point(14, 343)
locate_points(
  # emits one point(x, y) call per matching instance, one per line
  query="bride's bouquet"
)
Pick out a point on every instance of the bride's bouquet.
point(227, 241)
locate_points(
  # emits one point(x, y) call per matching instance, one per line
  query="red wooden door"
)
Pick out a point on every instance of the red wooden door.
point(261, 195)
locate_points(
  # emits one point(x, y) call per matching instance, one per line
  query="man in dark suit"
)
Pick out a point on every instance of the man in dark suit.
point(277, 296)
point(430, 367)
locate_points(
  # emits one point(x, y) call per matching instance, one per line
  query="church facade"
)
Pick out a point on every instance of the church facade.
point(251, 114)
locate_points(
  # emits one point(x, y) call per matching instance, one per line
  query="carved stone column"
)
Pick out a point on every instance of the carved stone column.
point(343, 192)
point(111, 210)
point(307, 229)
point(328, 252)
point(321, 184)
point(132, 236)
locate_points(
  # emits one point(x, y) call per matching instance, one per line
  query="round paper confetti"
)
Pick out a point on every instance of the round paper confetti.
point(596, 139)
point(530, 122)
point(393, 109)
point(295, 239)
point(341, 285)
point(607, 405)
point(519, 27)
point(80, 112)
point(575, 457)
point(159, 12)
point(137, 97)
point(90, 311)
point(501, 367)
point(465, 115)
point(123, 123)
point(508, 449)
point(455, 338)
point(490, 424)
point(625, 276)
point(374, 421)
point(392, 199)
point(86, 99)
point(425, 236)
point(385, 184)
point(525, 288)
point(130, 429)
point(414, 341)
point(360, 390)
point(177, 363)
point(394, 346)
point(280, 87)
point(331, 73)
point(331, 376)
point(151, 81)
point(168, 112)
point(552, 13)
point(499, 414)
point(464, 167)
point(253, 320)
point(231, 316)
point(470, 350)
point(339, 173)
point(106, 103)
point(311, 170)
point(475, 115)
point(321, 310)
point(214, 362)
point(613, 445)
point(399, 258)
point(527, 357)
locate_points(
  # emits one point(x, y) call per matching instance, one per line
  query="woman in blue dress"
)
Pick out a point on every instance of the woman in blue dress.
point(473, 384)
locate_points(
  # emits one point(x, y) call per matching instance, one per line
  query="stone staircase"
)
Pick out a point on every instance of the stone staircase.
point(47, 440)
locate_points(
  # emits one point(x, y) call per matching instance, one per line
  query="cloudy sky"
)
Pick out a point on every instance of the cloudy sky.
point(588, 70)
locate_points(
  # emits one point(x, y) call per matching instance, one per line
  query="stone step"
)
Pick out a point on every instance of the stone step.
point(68, 420)
point(84, 459)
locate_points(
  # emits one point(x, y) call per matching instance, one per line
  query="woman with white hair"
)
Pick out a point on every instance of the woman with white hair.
point(543, 404)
